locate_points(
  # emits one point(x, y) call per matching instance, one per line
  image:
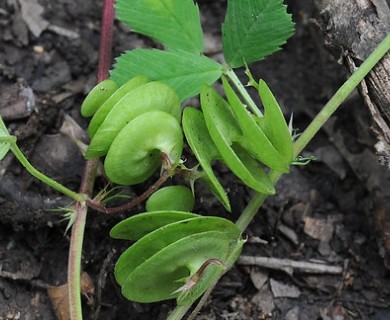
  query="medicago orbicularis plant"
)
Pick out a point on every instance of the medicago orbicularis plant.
point(137, 124)
point(179, 254)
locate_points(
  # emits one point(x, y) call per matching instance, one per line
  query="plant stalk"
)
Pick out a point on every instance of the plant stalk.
point(243, 92)
point(79, 197)
point(127, 206)
point(86, 186)
point(179, 312)
point(334, 103)
point(341, 94)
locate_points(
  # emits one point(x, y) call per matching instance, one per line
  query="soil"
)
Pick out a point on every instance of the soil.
point(328, 211)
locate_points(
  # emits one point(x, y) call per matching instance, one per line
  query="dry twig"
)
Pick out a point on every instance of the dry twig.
point(289, 266)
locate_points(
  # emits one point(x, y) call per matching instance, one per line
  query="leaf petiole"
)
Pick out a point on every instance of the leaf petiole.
point(8, 139)
point(333, 104)
point(341, 94)
point(243, 92)
point(79, 197)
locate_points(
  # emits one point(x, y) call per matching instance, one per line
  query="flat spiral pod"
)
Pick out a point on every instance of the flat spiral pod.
point(97, 96)
point(180, 244)
point(132, 127)
point(135, 152)
point(148, 97)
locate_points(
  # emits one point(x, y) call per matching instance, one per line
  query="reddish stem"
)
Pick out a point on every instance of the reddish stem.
point(86, 186)
point(106, 40)
point(132, 203)
point(168, 170)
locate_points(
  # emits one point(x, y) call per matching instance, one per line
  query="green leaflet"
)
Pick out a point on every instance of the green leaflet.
point(202, 145)
point(184, 72)
point(4, 145)
point(173, 23)
point(254, 29)
point(227, 135)
point(269, 142)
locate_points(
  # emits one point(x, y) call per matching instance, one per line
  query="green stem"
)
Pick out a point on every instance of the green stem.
point(342, 93)
point(178, 313)
point(254, 204)
point(334, 103)
point(8, 139)
point(243, 92)
point(40, 176)
point(74, 262)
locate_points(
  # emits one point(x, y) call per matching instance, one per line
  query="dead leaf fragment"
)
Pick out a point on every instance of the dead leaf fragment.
point(264, 300)
point(31, 13)
point(87, 288)
point(59, 299)
point(318, 229)
point(280, 289)
point(259, 277)
point(59, 296)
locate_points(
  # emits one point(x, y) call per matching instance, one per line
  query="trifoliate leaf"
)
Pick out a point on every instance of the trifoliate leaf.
point(254, 29)
point(173, 23)
point(184, 72)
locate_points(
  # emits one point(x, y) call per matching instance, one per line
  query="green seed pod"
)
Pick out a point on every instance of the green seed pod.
point(175, 262)
point(150, 96)
point(102, 112)
point(135, 227)
point(171, 198)
point(226, 134)
point(135, 152)
point(160, 262)
point(97, 96)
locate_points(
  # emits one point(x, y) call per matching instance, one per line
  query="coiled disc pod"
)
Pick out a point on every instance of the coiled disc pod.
point(148, 97)
point(133, 126)
point(97, 96)
point(171, 198)
point(171, 248)
point(106, 107)
point(135, 152)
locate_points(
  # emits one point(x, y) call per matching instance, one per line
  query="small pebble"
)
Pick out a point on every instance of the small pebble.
point(38, 49)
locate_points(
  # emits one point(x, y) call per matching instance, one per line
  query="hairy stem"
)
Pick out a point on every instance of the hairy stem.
point(101, 208)
point(106, 40)
point(342, 93)
point(77, 237)
point(243, 92)
point(169, 169)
